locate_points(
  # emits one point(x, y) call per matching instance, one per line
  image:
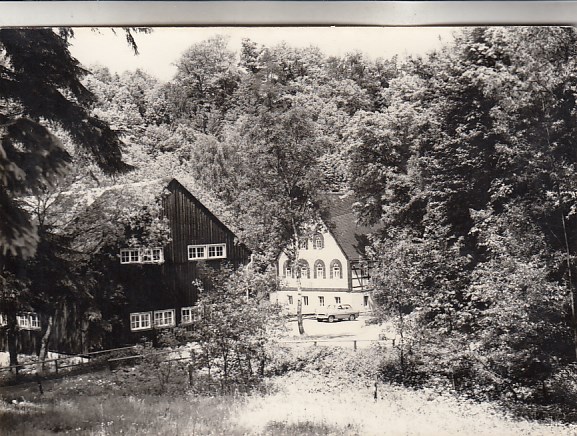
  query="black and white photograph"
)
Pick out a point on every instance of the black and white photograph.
point(288, 230)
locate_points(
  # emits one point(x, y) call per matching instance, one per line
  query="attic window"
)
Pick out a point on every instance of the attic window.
point(217, 251)
point(141, 255)
point(196, 252)
point(318, 242)
point(208, 251)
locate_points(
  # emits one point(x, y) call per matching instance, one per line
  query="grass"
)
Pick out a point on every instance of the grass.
point(330, 394)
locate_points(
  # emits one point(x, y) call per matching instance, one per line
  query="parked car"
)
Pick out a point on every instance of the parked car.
point(336, 312)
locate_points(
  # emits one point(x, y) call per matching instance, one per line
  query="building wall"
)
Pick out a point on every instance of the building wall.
point(287, 299)
point(330, 251)
point(147, 287)
point(318, 290)
point(172, 284)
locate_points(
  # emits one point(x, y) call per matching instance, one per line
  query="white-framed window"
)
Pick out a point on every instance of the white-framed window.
point(164, 318)
point(152, 255)
point(337, 300)
point(306, 300)
point(186, 315)
point(141, 255)
point(207, 251)
point(290, 299)
point(217, 251)
point(196, 252)
point(129, 255)
point(34, 321)
point(336, 269)
point(28, 321)
point(140, 321)
point(318, 241)
point(189, 314)
point(321, 301)
point(319, 269)
point(302, 269)
point(23, 321)
point(3, 319)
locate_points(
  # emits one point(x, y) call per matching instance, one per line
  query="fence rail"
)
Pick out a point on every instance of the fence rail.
point(354, 342)
point(59, 363)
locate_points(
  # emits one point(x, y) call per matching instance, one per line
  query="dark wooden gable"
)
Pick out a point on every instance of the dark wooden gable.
point(173, 284)
point(191, 223)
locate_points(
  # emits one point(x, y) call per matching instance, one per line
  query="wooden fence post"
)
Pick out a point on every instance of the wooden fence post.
point(39, 382)
point(190, 375)
point(355, 345)
point(56, 366)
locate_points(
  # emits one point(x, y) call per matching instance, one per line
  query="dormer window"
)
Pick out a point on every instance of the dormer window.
point(141, 255)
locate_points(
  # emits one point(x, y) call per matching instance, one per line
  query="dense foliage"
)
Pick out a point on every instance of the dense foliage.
point(472, 167)
point(43, 105)
point(466, 157)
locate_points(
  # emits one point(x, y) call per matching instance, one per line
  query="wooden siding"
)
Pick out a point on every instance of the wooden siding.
point(147, 287)
point(172, 284)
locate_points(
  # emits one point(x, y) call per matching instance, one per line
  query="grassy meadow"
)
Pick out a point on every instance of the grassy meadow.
point(321, 396)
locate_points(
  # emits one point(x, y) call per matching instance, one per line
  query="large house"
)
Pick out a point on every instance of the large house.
point(159, 283)
point(333, 267)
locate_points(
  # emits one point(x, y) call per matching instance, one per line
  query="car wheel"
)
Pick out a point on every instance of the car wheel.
point(319, 320)
point(352, 318)
point(331, 318)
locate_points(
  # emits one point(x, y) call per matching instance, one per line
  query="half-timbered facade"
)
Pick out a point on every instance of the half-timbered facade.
point(332, 266)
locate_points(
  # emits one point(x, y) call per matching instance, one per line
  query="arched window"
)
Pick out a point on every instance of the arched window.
point(336, 269)
point(318, 241)
point(287, 270)
point(319, 271)
point(303, 269)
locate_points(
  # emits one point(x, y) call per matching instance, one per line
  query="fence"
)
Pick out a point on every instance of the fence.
point(86, 360)
point(64, 362)
point(356, 343)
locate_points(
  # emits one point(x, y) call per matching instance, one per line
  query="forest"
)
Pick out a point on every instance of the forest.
point(467, 157)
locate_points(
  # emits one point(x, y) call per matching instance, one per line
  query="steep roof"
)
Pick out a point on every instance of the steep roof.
point(124, 196)
point(341, 222)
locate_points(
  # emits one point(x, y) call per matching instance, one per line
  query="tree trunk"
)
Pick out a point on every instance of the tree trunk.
point(572, 290)
point(11, 334)
point(296, 269)
point(45, 339)
point(300, 312)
